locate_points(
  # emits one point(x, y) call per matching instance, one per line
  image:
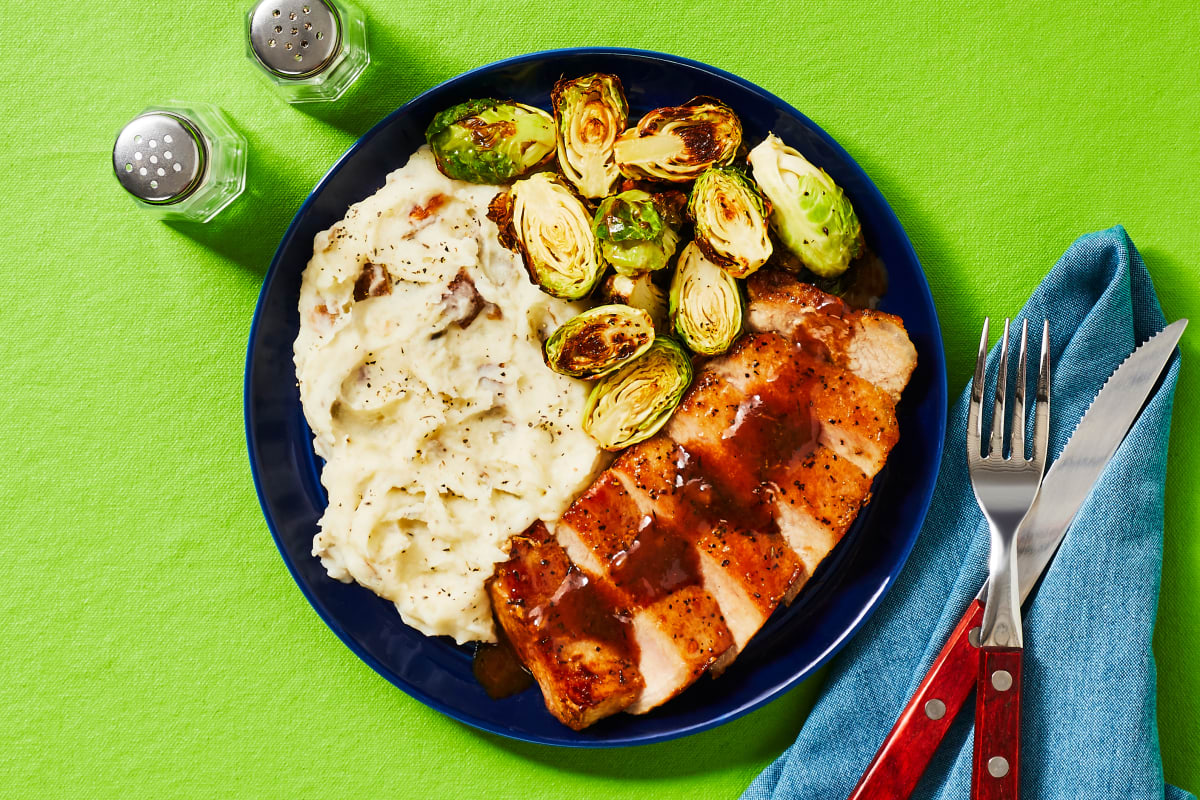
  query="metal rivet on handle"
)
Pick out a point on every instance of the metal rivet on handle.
point(997, 766)
point(973, 637)
point(286, 61)
point(1002, 680)
point(935, 709)
point(173, 177)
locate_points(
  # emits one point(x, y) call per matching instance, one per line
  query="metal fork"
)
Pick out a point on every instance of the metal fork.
point(1005, 487)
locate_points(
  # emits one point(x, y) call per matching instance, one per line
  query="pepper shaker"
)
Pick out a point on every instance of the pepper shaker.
point(182, 162)
point(311, 50)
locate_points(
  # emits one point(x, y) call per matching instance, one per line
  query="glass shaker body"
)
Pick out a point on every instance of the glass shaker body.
point(311, 50)
point(181, 161)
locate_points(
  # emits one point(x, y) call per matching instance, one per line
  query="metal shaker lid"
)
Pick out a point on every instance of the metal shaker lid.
point(295, 38)
point(160, 157)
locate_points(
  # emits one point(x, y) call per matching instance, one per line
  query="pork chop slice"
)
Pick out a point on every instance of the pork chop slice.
point(800, 435)
point(816, 500)
point(767, 376)
point(655, 574)
point(871, 344)
point(568, 629)
point(749, 572)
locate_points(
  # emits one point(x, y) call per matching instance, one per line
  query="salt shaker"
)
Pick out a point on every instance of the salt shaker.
point(312, 50)
point(183, 162)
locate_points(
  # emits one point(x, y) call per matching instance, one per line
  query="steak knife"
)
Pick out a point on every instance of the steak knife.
point(908, 748)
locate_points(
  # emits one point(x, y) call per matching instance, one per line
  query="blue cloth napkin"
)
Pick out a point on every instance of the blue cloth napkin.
point(1089, 724)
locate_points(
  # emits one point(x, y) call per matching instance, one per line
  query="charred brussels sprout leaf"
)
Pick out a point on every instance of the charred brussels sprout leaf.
point(706, 303)
point(490, 141)
point(598, 341)
point(812, 215)
point(633, 403)
point(638, 231)
point(731, 220)
point(542, 219)
point(639, 292)
point(678, 143)
point(591, 113)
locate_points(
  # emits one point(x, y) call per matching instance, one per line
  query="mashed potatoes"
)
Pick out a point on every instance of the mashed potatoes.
point(421, 375)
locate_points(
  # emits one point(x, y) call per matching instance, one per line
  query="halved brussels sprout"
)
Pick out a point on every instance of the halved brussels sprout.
point(678, 143)
point(639, 292)
point(706, 303)
point(633, 403)
point(812, 215)
point(542, 219)
point(599, 340)
point(731, 220)
point(591, 113)
point(638, 231)
point(490, 141)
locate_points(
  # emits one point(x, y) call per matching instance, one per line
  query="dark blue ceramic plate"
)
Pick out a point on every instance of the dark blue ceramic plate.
point(845, 590)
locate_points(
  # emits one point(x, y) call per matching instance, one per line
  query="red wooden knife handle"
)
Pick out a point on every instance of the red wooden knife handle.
point(996, 774)
point(907, 750)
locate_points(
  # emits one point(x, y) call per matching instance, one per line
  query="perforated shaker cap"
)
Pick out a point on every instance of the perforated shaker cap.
point(160, 157)
point(295, 38)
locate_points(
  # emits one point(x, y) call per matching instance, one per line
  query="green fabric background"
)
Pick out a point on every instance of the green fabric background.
point(152, 642)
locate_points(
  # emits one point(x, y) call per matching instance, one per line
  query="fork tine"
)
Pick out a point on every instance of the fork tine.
point(1018, 410)
point(974, 417)
point(996, 448)
point(1041, 423)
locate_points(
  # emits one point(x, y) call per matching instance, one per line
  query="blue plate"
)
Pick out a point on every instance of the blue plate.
point(836, 602)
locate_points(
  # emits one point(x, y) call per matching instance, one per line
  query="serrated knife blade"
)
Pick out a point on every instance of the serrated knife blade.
point(1099, 433)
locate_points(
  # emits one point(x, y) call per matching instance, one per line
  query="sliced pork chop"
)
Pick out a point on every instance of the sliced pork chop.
point(567, 629)
point(692, 538)
point(749, 572)
point(655, 574)
point(871, 344)
point(788, 442)
point(766, 376)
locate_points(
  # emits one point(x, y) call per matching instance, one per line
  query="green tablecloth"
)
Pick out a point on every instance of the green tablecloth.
point(153, 642)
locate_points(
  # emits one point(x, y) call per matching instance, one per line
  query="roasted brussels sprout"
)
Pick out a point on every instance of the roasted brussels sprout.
point(731, 220)
point(639, 292)
point(598, 341)
point(706, 303)
point(490, 141)
point(633, 403)
point(812, 215)
point(542, 219)
point(638, 231)
point(678, 143)
point(591, 113)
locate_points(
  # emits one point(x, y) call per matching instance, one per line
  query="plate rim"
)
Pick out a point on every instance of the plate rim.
point(938, 384)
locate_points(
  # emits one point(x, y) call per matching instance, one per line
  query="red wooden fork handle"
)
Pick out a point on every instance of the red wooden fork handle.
point(995, 774)
point(907, 750)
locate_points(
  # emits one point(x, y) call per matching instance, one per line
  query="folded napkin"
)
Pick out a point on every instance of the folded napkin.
point(1089, 728)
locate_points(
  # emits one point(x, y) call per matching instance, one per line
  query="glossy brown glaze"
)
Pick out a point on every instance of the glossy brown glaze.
point(657, 564)
point(567, 629)
point(669, 487)
point(498, 668)
point(642, 558)
point(821, 324)
point(762, 405)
